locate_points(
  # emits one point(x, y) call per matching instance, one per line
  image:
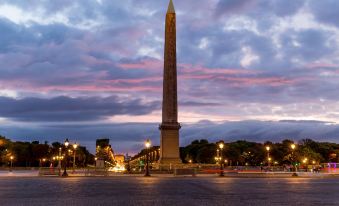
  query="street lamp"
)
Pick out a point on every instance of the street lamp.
point(221, 147)
point(305, 160)
point(59, 161)
point(268, 148)
point(147, 145)
point(95, 158)
point(11, 157)
point(66, 155)
point(75, 146)
point(293, 146)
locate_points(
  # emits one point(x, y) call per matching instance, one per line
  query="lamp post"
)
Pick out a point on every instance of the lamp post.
point(11, 157)
point(66, 156)
point(221, 147)
point(268, 148)
point(305, 161)
point(147, 145)
point(293, 146)
point(43, 162)
point(75, 146)
point(59, 161)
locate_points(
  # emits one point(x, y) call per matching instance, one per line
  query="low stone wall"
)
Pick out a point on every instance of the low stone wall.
point(185, 171)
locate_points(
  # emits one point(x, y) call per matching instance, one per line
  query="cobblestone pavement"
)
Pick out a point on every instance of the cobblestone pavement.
point(168, 191)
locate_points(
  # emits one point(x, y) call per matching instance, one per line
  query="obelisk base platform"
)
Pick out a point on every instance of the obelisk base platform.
point(169, 145)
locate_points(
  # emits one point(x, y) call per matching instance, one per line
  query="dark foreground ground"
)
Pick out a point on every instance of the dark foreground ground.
point(168, 191)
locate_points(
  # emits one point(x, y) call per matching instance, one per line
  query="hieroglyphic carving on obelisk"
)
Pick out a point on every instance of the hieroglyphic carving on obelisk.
point(169, 140)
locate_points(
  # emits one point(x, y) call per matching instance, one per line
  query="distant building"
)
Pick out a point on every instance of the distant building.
point(119, 159)
point(140, 158)
point(104, 152)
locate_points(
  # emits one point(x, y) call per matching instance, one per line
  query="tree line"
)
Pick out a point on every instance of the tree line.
point(243, 152)
point(34, 154)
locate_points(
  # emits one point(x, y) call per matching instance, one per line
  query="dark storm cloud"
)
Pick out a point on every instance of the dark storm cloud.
point(72, 109)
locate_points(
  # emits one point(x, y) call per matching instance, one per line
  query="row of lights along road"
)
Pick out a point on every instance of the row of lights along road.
point(66, 144)
point(75, 146)
point(221, 145)
point(219, 157)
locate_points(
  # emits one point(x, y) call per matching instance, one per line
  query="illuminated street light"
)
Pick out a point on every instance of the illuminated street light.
point(221, 147)
point(293, 147)
point(305, 160)
point(75, 146)
point(11, 158)
point(59, 161)
point(268, 148)
point(147, 145)
point(95, 158)
point(66, 153)
point(43, 161)
point(66, 143)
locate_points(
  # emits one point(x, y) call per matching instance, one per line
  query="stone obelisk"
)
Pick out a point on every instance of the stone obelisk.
point(169, 140)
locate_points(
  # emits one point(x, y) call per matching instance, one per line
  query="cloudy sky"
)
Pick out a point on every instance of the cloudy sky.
point(247, 69)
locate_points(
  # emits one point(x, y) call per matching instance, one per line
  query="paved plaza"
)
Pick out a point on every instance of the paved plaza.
point(168, 191)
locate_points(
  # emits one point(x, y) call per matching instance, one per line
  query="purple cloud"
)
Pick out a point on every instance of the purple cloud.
point(326, 11)
point(237, 60)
